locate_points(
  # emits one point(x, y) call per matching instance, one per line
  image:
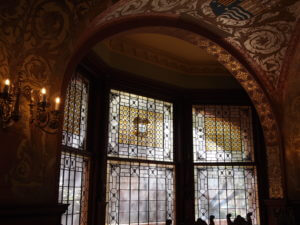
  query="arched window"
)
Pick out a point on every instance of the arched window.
point(153, 157)
point(75, 159)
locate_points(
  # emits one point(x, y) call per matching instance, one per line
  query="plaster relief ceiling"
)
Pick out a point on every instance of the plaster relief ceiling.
point(164, 51)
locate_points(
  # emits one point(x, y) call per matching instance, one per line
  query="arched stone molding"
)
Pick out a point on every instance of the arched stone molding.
point(172, 24)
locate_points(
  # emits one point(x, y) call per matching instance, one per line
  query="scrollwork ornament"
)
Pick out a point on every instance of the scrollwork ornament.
point(36, 69)
point(264, 40)
point(132, 7)
point(51, 24)
point(167, 5)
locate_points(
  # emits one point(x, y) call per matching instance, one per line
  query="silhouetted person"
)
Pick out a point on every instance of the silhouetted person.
point(249, 218)
point(229, 222)
point(168, 222)
point(200, 222)
point(211, 220)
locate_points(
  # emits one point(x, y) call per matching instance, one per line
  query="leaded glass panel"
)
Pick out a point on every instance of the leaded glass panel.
point(140, 127)
point(75, 113)
point(220, 190)
point(139, 193)
point(222, 133)
point(73, 188)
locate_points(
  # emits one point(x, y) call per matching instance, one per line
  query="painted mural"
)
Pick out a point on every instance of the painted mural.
point(37, 39)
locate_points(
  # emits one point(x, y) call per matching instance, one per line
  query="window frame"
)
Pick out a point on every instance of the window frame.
point(102, 79)
point(86, 153)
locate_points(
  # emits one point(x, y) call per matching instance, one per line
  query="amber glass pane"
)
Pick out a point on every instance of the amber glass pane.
point(75, 113)
point(140, 127)
point(222, 133)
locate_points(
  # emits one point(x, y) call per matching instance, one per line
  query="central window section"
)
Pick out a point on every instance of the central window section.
point(140, 167)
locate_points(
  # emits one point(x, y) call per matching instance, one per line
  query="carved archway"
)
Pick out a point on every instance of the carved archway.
point(113, 22)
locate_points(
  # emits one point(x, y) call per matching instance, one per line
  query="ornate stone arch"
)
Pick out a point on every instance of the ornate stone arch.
point(128, 15)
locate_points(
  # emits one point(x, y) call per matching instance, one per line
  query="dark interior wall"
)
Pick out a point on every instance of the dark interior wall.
point(291, 127)
point(36, 40)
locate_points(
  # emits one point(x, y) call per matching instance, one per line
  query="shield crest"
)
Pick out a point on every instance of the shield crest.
point(239, 9)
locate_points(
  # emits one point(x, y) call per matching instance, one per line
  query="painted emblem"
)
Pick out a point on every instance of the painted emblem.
point(239, 9)
point(141, 126)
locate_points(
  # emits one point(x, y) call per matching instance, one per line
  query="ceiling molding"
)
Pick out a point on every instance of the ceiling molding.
point(161, 58)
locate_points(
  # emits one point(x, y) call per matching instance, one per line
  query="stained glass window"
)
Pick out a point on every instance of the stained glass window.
point(75, 113)
point(73, 188)
point(140, 127)
point(222, 135)
point(140, 187)
point(220, 190)
point(139, 193)
point(75, 160)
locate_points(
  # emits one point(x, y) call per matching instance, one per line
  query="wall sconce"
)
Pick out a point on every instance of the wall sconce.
point(41, 114)
point(9, 103)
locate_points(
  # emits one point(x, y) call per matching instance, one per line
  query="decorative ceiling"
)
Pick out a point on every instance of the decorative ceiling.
point(164, 58)
point(164, 51)
point(258, 29)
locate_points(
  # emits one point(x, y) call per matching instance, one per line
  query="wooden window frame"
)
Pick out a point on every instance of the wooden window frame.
point(103, 79)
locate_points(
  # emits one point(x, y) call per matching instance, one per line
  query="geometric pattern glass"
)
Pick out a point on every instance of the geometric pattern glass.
point(140, 167)
point(140, 127)
point(75, 113)
point(222, 133)
point(224, 167)
point(139, 193)
point(73, 188)
point(220, 190)
point(74, 165)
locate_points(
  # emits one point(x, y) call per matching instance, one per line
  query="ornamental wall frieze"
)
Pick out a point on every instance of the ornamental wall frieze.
point(260, 30)
point(161, 58)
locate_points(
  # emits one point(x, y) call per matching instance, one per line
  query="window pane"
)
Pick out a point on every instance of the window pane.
point(139, 193)
point(140, 127)
point(73, 188)
point(222, 133)
point(75, 113)
point(220, 190)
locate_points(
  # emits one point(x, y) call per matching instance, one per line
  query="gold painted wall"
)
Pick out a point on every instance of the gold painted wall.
point(36, 40)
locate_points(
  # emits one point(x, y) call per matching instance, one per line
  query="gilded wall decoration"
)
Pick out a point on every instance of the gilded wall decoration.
point(260, 30)
point(37, 38)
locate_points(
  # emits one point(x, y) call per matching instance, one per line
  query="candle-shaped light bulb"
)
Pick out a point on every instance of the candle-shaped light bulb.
point(43, 92)
point(7, 82)
point(6, 86)
point(57, 102)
